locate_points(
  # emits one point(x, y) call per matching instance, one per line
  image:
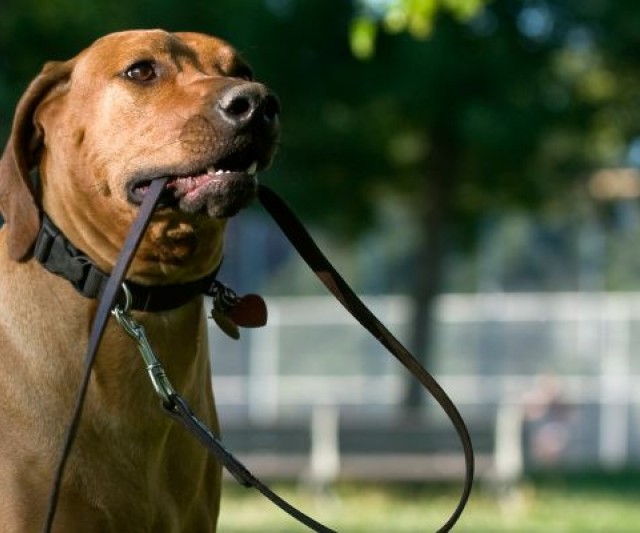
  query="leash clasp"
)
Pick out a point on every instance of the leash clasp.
point(136, 331)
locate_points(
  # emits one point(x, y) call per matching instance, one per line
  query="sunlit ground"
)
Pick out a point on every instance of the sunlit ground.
point(580, 503)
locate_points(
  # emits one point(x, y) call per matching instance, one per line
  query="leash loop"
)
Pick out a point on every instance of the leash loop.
point(308, 250)
point(176, 407)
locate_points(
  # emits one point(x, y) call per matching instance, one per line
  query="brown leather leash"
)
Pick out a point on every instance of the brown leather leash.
point(323, 269)
point(177, 408)
point(107, 302)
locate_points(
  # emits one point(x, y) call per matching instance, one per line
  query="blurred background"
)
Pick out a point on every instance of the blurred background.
point(472, 167)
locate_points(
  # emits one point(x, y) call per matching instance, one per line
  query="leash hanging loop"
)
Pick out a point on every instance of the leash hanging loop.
point(302, 241)
point(177, 408)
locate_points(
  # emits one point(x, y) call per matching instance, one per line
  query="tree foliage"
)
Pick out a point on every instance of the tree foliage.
point(530, 92)
point(417, 17)
point(467, 107)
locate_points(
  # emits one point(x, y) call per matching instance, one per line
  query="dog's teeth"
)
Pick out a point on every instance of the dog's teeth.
point(212, 171)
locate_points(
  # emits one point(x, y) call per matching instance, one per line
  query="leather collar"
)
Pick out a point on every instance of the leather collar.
point(56, 253)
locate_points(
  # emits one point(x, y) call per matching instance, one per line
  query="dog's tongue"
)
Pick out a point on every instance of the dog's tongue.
point(189, 184)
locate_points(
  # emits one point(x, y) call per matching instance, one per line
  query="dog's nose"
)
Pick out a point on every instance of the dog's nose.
point(248, 103)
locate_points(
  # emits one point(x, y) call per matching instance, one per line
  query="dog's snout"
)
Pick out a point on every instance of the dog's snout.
point(248, 103)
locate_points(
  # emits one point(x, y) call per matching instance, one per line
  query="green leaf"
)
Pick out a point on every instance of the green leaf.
point(362, 37)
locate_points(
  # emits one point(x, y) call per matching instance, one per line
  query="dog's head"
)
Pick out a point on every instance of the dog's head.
point(133, 107)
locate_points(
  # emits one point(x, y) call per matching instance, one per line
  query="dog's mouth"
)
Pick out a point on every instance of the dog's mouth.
point(219, 190)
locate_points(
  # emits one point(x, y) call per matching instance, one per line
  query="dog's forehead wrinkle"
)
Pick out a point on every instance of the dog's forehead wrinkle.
point(183, 54)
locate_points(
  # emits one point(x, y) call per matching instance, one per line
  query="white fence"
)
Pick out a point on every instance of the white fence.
point(569, 362)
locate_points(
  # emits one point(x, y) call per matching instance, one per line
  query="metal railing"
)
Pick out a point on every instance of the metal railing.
point(567, 361)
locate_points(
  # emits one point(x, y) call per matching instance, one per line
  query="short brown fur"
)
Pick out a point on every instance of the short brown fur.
point(89, 130)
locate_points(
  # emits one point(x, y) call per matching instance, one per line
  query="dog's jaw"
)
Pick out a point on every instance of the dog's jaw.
point(219, 193)
point(219, 196)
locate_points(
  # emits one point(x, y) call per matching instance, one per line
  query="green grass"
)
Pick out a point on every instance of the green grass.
point(586, 503)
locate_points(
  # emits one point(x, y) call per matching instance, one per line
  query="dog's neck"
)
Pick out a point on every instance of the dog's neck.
point(59, 256)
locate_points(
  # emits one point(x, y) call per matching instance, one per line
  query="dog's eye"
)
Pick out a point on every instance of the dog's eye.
point(141, 72)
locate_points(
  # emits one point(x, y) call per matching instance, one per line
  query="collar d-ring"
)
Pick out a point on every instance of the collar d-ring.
point(128, 298)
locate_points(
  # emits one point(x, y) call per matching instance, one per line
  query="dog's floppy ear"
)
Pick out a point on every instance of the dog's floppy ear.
point(18, 202)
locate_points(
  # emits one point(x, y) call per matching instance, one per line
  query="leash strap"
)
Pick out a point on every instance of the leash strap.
point(315, 259)
point(178, 409)
point(99, 324)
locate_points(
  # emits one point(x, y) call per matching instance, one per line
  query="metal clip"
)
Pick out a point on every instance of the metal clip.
point(224, 298)
point(157, 374)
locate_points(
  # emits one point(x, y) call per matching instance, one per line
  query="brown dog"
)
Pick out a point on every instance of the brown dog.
point(132, 107)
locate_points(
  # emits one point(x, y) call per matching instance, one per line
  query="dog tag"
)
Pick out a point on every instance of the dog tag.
point(250, 311)
point(230, 310)
point(226, 324)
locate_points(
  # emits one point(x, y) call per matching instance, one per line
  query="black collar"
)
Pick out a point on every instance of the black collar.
point(54, 251)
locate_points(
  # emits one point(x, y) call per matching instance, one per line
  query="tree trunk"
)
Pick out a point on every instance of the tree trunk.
point(435, 215)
